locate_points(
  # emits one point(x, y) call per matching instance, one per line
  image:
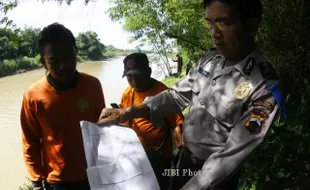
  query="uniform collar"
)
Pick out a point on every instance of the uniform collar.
point(58, 87)
point(220, 66)
point(248, 64)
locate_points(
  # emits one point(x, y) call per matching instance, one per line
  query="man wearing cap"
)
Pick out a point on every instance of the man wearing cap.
point(156, 141)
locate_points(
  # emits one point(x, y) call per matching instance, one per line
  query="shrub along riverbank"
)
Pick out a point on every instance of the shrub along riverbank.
point(20, 65)
point(19, 49)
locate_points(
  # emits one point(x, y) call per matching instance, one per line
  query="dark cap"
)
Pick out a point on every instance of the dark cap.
point(135, 63)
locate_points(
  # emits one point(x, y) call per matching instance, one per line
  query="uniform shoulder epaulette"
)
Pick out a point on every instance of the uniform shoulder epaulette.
point(267, 71)
point(208, 55)
point(212, 49)
point(270, 76)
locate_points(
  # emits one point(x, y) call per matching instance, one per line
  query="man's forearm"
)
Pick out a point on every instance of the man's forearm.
point(177, 135)
point(33, 160)
point(137, 111)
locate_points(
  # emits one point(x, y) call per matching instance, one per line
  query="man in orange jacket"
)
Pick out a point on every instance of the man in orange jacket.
point(51, 111)
point(156, 141)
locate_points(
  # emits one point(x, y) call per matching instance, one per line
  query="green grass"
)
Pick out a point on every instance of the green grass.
point(169, 81)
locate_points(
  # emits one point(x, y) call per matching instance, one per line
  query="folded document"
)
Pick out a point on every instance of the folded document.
point(116, 159)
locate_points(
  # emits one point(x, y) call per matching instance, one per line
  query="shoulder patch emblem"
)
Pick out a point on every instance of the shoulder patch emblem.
point(255, 122)
point(261, 113)
point(83, 105)
point(264, 103)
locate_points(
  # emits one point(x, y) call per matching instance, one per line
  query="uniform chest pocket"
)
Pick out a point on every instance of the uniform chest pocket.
point(226, 111)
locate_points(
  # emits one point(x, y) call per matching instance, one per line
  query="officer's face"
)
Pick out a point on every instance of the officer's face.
point(229, 35)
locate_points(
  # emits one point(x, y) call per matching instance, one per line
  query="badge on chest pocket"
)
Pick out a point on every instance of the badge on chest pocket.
point(243, 90)
point(83, 105)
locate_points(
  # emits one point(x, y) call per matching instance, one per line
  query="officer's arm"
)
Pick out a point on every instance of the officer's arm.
point(178, 97)
point(245, 136)
point(171, 101)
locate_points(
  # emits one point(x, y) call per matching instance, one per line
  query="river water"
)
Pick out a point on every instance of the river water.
point(12, 167)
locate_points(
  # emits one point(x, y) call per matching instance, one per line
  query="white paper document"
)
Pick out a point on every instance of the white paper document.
point(116, 159)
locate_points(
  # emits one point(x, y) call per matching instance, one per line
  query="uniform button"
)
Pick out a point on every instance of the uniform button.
point(202, 102)
point(191, 122)
point(230, 121)
point(213, 82)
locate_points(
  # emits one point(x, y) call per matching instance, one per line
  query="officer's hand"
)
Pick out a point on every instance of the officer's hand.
point(112, 116)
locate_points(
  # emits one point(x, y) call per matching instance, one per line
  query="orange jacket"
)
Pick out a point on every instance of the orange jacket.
point(51, 135)
point(150, 136)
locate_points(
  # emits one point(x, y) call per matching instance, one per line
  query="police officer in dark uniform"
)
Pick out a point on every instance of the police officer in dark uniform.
point(188, 66)
point(179, 61)
point(233, 98)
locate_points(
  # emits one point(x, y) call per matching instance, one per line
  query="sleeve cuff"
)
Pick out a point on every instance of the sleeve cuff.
point(157, 119)
point(36, 184)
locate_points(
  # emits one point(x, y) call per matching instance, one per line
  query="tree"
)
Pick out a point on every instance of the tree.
point(8, 44)
point(6, 6)
point(155, 22)
point(28, 42)
point(15, 43)
point(89, 45)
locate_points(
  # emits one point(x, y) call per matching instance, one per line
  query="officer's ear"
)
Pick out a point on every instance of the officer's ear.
point(42, 61)
point(253, 25)
point(149, 71)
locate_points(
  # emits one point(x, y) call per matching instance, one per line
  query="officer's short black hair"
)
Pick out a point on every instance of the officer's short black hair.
point(55, 33)
point(244, 8)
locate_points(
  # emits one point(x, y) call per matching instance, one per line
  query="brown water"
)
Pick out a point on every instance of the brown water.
point(12, 168)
